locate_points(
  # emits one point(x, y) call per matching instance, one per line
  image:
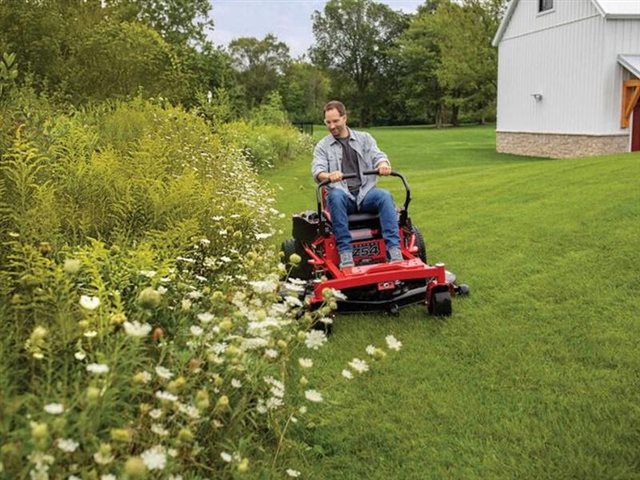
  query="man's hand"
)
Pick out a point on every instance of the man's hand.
point(331, 176)
point(384, 169)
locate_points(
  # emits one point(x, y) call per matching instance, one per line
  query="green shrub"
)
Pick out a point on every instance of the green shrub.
point(140, 321)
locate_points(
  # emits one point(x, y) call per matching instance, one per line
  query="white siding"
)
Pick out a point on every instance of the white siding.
point(526, 19)
point(574, 66)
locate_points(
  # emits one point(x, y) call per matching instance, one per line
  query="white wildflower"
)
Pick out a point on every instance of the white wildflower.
point(195, 294)
point(326, 320)
point(103, 459)
point(154, 458)
point(91, 334)
point(264, 286)
point(159, 430)
point(169, 397)
point(144, 376)
point(89, 303)
point(108, 476)
point(293, 301)
point(97, 368)
point(358, 365)
point(370, 349)
point(225, 259)
point(148, 273)
point(67, 445)
point(161, 290)
point(163, 372)
point(271, 353)
point(263, 236)
point(313, 395)
point(235, 383)
point(305, 362)
point(80, 355)
point(54, 408)
point(156, 413)
point(186, 304)
point(338, 294)
point(196, 330)
point(137, 329)
point(293, 473)
point(393, 343)
point(226, 457)
point(205, 317)
point(315, 339)
point(347, 374)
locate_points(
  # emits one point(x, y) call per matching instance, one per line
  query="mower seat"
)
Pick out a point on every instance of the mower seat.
point(364, 220)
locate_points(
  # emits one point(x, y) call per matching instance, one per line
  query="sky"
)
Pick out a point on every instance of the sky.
point(289, 20)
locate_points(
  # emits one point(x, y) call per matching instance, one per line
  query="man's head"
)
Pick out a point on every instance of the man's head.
point(335, 118)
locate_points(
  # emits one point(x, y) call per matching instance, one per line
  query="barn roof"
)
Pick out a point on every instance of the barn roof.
point(613, 9)
point(631, 63)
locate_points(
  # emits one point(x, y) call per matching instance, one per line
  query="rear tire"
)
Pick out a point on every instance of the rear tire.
point(422, 249)
point(303, 270)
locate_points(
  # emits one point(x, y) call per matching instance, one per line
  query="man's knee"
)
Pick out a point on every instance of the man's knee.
point(337, 197)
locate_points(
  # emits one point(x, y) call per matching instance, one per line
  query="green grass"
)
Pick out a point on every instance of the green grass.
point(537, 373)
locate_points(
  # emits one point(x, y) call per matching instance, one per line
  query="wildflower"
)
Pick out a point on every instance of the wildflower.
point(293, 473)
point(67, 445)
point(163, 372)
point(226, 457)
point(71, 266)
point(313, 396)
point(393, 343)
point(149, 298)
point(154, 458)
point(186, 304)
point(225, 259)
point(370, 349)
point(159, 430)
point(137, 329)
point(148, 273)
point(142, 377)
point(80, 355)
point(117, 318)
point(169, 397)
point(305, 362)
point(196, 330)
point(263, 236)
point(358, 365)
point(293, 301)
point(195, 295)
point(315, 339)
point(347, 374)
point(134, 467)
point(54, 408)
point(97, 368)
point(235, 383)
point(103, 456)
point(271, 353)
point(156, 413)
point(205, 317)
point(91, 334)
point(108, 476)
point(89, 303)
point(264, 286)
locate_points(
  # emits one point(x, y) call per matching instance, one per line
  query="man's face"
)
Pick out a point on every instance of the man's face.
point(336, 123)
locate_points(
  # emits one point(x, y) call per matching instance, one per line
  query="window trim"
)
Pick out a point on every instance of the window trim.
point(547, 10)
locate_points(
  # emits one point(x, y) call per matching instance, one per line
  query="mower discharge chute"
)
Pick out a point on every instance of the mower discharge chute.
point(373, 284)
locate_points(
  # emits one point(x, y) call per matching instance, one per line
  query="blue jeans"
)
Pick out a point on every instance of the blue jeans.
point(376, 201)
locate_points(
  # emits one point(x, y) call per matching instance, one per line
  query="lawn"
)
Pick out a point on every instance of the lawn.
point(537, 373)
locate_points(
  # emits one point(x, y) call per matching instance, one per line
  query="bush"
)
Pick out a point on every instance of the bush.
point(141, 329)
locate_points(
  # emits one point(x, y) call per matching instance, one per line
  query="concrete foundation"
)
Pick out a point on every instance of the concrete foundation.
point(560, 146)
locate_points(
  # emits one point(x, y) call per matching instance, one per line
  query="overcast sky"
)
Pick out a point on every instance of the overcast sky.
point(289, 20)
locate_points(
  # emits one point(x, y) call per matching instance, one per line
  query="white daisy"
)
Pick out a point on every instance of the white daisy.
point(358, 365)
point(137, 329)
point(89, 303)
point(393, 343)
point(313, 395)
point(154, 458)
point(305, 362)
point(163, 372)
point(67, 445)
point(315, 339)
point(54, 408)
point(97, 368)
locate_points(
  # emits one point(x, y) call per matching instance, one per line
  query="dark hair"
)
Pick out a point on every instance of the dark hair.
point(339, 106)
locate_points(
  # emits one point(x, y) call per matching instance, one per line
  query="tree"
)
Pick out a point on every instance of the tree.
point(353, 39)
point(260, 64)
point(304, 89)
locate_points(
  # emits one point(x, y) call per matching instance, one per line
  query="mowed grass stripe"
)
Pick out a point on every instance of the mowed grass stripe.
point(537, 373)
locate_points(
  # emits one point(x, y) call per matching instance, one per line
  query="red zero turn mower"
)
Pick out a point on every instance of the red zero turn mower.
point(373, 284)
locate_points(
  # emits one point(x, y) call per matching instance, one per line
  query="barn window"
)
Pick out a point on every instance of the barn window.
point(545, 5)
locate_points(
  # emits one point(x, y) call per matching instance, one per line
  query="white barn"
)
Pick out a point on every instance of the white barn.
point(569, 77)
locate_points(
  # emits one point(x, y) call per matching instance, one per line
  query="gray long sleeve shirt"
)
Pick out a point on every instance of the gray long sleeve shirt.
point(327, 158)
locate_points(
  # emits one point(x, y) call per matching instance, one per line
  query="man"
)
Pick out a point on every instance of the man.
point(346, 151)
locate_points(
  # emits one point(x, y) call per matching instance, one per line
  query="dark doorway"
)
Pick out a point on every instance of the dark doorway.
point(635, 132)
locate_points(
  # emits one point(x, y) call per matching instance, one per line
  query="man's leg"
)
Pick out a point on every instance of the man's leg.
point(381, 202)
point(340, 205)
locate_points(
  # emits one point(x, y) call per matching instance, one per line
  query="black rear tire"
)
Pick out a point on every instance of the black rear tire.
point(422, 249)
point(303, 270)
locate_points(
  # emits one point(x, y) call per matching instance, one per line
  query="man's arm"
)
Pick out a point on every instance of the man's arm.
point(380, 161)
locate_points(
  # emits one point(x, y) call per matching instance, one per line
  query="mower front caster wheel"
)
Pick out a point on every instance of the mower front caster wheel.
point(440, 304)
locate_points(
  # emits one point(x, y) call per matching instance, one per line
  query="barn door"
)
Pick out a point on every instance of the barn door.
point(635, 133)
